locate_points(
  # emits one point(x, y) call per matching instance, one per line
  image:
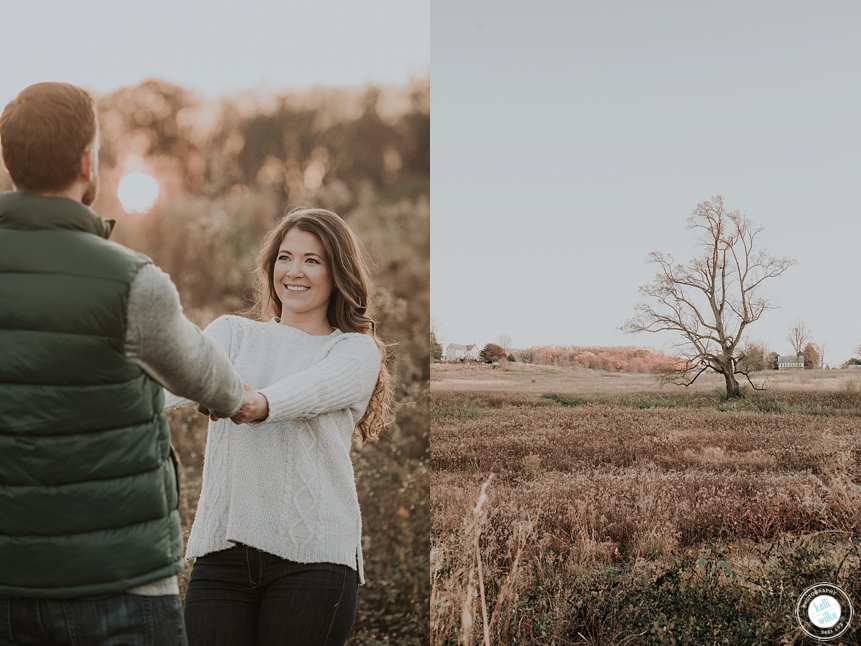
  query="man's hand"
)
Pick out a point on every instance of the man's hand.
point(255, 407)
point(205, 411)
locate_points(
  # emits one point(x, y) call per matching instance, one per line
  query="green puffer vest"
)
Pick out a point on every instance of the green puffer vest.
point(88, 491)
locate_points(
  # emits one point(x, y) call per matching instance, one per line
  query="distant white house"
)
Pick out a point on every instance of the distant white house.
point(790, 362)
point(456, 351)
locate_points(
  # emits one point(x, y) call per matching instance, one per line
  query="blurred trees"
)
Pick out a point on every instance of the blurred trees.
point(345, 142)
point(158, 121)
point(323, 144)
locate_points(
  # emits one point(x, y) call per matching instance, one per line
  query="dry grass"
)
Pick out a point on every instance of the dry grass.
point(642, 504)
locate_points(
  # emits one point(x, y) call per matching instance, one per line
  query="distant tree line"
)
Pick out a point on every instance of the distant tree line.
point(611, 359)
point(755, 357)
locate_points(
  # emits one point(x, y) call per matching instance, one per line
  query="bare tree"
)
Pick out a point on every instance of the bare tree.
point(436, 351)
point(437, 339)
point(505, 342)
point(437, 329)
point(712, 300)
point(798, 335)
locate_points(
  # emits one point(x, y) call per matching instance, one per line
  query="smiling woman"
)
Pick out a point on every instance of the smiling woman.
point(316, 372)
point(137, 192)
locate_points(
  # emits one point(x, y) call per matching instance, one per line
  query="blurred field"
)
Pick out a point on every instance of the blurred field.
point(227, 170)
point(620, 512)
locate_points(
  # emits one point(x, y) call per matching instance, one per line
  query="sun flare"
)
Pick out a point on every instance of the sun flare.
point(137, 192)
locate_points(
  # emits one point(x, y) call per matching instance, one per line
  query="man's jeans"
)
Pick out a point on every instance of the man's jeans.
point(107, 620)
point(242, 597)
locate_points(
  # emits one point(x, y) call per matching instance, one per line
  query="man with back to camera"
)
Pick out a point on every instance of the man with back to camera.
point(90, 331)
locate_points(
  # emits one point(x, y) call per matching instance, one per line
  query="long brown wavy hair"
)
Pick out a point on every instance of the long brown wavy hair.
point(349, 304)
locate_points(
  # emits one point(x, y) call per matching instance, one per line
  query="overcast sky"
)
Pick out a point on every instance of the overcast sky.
point(214, 46)
point(572, 138)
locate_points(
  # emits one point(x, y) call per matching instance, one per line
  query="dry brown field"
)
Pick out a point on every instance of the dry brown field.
point(577, 507)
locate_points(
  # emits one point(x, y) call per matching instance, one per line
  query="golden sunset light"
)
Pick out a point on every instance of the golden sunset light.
point(137, 192)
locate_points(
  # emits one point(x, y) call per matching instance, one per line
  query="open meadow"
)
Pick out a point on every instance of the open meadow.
point(579, 507)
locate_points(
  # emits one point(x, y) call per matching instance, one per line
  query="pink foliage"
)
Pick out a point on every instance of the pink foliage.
point(610, 359)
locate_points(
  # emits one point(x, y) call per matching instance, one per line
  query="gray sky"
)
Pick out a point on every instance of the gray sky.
point(214, 46)
point(571, 138)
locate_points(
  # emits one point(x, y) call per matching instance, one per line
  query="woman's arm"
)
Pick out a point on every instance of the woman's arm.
point(344, 378)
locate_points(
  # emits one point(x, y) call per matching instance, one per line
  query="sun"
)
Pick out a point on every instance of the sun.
point(137, 192)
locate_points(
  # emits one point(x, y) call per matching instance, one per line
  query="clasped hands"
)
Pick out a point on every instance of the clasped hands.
point(255, 408)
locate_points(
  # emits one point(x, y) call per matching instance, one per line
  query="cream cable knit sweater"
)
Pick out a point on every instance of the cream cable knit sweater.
point(286, 485)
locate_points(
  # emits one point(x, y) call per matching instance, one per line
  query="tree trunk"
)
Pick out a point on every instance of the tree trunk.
point(733, 391)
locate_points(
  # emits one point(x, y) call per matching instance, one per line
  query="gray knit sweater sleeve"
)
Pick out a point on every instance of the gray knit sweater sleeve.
point(343, 379)
point(173, 351)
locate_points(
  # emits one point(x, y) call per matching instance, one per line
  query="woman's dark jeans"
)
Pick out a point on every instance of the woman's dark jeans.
point(243, 596)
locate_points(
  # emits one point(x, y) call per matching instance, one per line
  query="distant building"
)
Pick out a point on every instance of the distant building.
point(456, 351)
point(790, 362)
